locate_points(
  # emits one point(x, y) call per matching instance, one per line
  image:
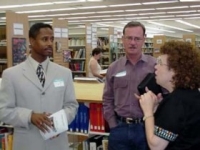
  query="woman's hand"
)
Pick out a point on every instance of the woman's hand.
point(148, 102)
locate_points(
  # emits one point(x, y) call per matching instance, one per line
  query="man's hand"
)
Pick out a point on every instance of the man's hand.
point(41, 121)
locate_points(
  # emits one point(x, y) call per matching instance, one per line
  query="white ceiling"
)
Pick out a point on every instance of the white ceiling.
point(153, 16)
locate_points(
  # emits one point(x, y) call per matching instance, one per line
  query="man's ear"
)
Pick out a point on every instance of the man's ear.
point(32, 41)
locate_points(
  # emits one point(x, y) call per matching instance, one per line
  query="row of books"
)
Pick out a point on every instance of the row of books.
point(78, 53)
point(77, 66)
point(98, 142)
point(6, 138)
point(89, 118)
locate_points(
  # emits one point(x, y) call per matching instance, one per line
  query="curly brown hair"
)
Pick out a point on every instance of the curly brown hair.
point(184, 59)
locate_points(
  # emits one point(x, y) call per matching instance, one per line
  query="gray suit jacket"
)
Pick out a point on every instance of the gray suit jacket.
point(21, 93)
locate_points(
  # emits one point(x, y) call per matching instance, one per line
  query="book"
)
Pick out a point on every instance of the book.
point(103, 72)
point(60, 124)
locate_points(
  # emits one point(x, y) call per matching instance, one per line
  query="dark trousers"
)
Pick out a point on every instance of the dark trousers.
point(127, 137)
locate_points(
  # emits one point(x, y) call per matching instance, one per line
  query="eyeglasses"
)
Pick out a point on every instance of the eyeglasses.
point(136, 39)
point(159, 62)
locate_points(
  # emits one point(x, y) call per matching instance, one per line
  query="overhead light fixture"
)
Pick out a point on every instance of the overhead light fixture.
point(82, 13)
point(32, 11)
point(176, 12)
point(130, 10)
point(122, 15)
point(187, 15)
point(155, 13)
point(36, 4)
point(160, 24)
point(160, 2)
point(10, 6)
point(91, 7)
point(164, 8)
point(124, 5)
point(192, 6)
point(162, 16)
point(189, 0)
point(67, 2)
point(62, 9)
point(103, 16)
point(76, 18)
point(114, 11)
point(160, 29)
point(188, 24)
point(193, 18)
point(169, 19)
point(113, 19)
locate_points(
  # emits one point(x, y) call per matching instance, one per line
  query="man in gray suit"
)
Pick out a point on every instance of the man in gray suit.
point(30, 93)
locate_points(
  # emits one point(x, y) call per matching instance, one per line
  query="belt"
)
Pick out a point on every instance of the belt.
point(130, 120)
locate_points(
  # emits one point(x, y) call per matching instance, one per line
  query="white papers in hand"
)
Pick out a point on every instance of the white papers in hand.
point(60, 124)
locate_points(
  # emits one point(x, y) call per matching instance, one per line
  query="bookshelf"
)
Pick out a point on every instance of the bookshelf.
point(78, 54)
point(107, 40)
point(148, 46)
point(159, 40)
point(193, 39)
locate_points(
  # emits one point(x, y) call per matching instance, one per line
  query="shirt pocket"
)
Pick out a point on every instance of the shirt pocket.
point(120, 82)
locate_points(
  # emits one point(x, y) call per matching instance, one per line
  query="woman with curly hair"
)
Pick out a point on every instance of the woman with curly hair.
point(176, 123)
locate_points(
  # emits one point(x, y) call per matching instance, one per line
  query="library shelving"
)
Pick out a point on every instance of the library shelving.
point(108, 42)
point(78, 55)
point(90, 110)
point(159, 40)
point(148, 46)
point(193, 39)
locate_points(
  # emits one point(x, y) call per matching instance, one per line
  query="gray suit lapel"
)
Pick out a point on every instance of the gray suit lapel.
point(30, 74)
point(50, 75)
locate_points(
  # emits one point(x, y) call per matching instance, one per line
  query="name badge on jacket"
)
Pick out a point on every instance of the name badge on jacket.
point(58, 83)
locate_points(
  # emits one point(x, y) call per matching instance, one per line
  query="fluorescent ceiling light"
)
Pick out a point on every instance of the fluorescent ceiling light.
point(74, 21)
point(164, 8)
point(169, 18)
point(161, 2)
point(76, 17)
point(54, 15)
point(94, 0)
point(160, 24)
point(134, 18)
point(35, 4)
point(176, 12)
point(195, 6)
point(10, 6)
point(189, 0)
point(188, 24)
point(64, 2)
point(155, 13)
point(159, 29)
point(3, 18)
point(90, 20)
point(140, 9)
point(62, 9)
point(114, 11)
point(92, 7)
point(188, 15)
point(83, 13)
point(36, 16)
point(125, 15)
point(32, 11)
point(123, 5)
point(103, 16)
point(114, 19)
point(162, 16)
point(193, 18)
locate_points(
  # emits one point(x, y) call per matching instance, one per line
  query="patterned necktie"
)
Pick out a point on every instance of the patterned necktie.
point(40, 73)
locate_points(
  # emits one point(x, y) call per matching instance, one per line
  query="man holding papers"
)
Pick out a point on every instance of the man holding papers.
point(33, 91)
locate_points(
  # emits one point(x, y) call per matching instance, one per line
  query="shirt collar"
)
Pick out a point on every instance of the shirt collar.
point(35, 64)
point(143, 58)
